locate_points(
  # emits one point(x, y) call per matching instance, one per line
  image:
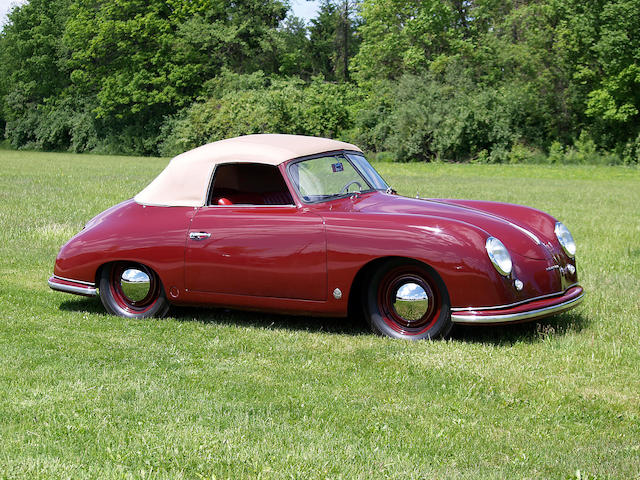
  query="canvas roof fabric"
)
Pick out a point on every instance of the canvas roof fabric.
point(185, 181)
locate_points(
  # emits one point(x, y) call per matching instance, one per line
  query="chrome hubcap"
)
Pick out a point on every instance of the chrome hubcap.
point(135, 284)
point(411, 302)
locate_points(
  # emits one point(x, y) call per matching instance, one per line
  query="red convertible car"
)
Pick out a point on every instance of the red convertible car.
point(304, 225)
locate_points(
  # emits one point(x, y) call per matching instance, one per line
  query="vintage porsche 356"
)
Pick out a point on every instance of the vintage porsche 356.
point(304, 225)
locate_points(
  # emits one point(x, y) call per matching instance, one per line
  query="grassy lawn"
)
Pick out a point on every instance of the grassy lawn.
point(219, 394)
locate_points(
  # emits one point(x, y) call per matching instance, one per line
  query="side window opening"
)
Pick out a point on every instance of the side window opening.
point(248, 184)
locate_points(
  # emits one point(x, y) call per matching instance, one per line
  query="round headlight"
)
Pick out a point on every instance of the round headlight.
point(499, 255)
point(565, 238)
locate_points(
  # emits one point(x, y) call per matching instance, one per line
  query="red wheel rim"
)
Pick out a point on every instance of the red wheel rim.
point(387, 295)
point(126, 303)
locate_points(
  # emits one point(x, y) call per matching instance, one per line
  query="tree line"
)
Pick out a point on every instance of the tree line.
point(452, 80)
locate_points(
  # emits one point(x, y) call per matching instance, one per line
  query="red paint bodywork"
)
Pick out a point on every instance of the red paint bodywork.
point(290, 258)
point(258, 251)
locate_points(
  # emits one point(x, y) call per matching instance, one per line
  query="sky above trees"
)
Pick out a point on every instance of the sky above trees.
point(305, 9)
point(5, 8)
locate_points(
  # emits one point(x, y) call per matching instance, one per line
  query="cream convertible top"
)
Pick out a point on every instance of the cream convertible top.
point(185, 181)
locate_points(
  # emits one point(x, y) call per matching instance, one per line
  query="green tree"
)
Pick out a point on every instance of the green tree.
point(334, 38)
point(613, 73)
point(287, 49)
point(143, 60)
point(243, 104)
point(30, 66)
point(401, 36)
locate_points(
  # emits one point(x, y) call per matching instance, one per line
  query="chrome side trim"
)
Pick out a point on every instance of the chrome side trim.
point(498, 307)
point(529, 234)
point(91, 284)
point(281, 205)
point(89, 291)
point(514, 317)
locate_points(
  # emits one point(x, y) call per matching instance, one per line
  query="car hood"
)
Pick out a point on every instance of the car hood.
point(517, 235)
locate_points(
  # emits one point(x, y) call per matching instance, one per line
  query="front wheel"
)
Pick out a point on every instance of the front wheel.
point(132, 290)
point(407, 300)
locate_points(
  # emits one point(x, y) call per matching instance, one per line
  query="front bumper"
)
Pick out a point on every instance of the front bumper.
point(68, 285)
point(521, 312)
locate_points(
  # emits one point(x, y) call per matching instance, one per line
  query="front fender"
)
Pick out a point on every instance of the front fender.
point(453, 248)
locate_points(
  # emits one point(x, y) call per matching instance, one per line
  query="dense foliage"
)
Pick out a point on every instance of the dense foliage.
point(243, 104)
point(482, 80)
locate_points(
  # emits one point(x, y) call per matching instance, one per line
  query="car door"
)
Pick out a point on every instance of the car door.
point(257, 250)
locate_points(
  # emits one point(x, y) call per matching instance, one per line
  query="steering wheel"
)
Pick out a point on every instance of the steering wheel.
point(345, 189)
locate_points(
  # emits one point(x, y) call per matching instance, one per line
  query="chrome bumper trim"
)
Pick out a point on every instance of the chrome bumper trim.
point(78, 290)
point(89, 284)
point(515, 317)
point(509, 305)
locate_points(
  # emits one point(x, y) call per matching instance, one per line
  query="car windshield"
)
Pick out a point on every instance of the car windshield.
point(331, 176)
point(370, 173)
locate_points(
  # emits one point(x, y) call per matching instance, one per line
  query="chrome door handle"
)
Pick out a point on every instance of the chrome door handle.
point(199, 235)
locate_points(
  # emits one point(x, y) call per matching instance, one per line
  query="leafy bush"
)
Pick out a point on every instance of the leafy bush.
point(631, 152)
point(428, 118)
point(583, 151)
point(521, 153)
point(556, 153)
point(55, 124)
point(290, 106)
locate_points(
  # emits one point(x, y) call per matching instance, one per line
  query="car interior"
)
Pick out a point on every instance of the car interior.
point(248, 184)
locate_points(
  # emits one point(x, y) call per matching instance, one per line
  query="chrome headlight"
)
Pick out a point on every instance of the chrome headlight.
point(565, 238)
point(499, 255)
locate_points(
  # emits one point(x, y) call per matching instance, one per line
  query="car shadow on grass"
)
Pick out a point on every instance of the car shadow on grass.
point(82, 304)
point(223, 316)
point(528, 332)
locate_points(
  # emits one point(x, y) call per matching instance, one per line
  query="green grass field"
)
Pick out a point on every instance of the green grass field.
point(219, 394)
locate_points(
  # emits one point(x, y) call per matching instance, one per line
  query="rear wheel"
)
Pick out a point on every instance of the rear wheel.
point(407, 300)
point(132, 290)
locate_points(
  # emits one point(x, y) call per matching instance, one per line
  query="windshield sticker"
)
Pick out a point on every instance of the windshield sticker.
point(337, 167)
